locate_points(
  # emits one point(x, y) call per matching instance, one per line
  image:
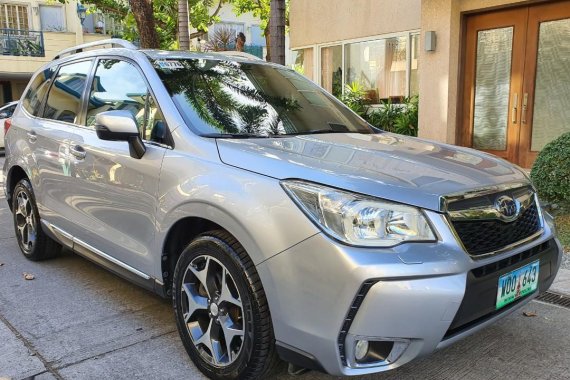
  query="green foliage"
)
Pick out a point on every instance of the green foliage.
point(259, 8)
point(399, 118)
point(386, 116)
point(407, 121)
point(551, 171)
point(199, 13)
point(354, 98)
point(165, 14)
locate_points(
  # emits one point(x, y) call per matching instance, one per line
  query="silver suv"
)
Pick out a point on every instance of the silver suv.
point(282, 225)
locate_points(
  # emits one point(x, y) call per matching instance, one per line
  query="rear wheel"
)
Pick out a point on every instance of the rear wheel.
point(221, 310)
point(33, 242)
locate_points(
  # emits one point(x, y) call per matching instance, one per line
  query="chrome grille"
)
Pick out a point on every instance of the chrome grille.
point(482, 229)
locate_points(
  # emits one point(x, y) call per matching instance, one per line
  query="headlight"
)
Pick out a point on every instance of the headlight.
point(359, 220)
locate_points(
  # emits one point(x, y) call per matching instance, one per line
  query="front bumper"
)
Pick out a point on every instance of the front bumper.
point(324, 295)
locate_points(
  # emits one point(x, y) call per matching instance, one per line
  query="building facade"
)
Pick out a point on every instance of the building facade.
point(31, 34)
point(490, 74)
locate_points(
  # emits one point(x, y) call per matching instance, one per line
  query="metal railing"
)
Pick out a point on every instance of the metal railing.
point(21, 42)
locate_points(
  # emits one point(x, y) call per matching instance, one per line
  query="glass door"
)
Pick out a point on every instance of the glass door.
point(545, 107)
point(516, 85)
point(494, 65)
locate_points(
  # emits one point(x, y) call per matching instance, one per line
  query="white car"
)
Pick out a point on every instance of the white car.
point(5, 112)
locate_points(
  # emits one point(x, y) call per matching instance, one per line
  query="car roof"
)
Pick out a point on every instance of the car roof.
point(9, 104)
point(155, 54)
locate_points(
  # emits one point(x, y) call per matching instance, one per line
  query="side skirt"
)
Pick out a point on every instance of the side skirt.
point(104, 260)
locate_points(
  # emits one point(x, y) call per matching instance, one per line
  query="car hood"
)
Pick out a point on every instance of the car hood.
point(393, 167)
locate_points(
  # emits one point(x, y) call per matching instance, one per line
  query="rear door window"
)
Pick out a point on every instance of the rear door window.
point(64, 98)
point(36, 92)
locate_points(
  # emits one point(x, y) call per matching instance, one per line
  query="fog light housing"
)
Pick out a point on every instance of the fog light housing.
point(361, 350)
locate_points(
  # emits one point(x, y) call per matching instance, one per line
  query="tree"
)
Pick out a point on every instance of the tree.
point(200, 16)
point(155, 23)
point(260, 9)
point(141, 10)
point(143, 14)
point(277, 31)
point(183, 21)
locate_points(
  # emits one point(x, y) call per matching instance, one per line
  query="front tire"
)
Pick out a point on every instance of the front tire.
point(221, 310)
point(34, 244)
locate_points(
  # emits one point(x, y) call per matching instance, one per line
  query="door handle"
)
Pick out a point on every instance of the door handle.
point(524, 107)
point(32, 136)
point(78, 152)
point(515, 108)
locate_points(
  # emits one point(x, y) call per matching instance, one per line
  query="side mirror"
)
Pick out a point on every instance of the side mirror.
point(4, 115)
point(120, 126)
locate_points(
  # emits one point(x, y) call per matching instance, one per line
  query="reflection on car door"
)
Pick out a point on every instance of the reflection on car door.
point(48, 137)
point(116, 194)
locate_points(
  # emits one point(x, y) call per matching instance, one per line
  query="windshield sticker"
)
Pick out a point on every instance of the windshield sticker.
point(169, 65)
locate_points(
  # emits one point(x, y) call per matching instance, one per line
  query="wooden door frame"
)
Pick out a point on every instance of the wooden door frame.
point(491, 20)
point(547, 12)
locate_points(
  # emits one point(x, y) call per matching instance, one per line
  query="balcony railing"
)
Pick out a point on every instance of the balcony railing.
point(22, 42)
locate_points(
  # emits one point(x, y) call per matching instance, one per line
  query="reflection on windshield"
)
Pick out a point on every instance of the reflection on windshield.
point(243, 99)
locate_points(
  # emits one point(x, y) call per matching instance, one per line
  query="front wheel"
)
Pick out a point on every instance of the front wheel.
point(221, 310)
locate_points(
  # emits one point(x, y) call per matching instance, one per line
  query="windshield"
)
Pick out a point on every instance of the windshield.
point(237, 99)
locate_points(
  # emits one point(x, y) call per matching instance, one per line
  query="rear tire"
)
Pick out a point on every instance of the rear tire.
point(217, 293)
point(34, 243)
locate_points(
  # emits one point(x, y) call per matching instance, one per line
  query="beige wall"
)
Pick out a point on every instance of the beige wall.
point(321, 21)
point(315, 22)
point(439, 87)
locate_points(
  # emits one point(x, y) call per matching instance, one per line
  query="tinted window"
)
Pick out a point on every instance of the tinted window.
point(119, 85)
point(36, 93)
point(64, 98)
point(9, 111)
point(252, 99)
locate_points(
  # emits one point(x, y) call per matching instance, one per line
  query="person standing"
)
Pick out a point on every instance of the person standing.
point(240, 41)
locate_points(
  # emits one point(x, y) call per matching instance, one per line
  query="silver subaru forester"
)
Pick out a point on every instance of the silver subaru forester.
point(283, 226)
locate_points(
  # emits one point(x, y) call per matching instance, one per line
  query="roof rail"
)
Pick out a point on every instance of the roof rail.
point(233, 53)
point(114, 42)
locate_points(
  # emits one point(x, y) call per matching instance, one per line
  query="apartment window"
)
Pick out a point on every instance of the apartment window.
point(380, 67)
point(14, 16)
point(384, 68)
point(52, 18)
point(415, 65)
point(331, 69)
point(302, 62)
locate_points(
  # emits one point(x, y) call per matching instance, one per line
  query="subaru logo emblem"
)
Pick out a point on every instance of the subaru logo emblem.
point(508, 208)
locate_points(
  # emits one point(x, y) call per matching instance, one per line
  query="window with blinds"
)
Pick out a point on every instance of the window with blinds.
point(14, 16)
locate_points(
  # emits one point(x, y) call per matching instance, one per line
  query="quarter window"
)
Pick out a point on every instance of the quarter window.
point(119, 85)
point(64, 98)
point(37, 91)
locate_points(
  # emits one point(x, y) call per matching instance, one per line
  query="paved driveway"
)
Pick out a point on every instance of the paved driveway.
point(77, 321)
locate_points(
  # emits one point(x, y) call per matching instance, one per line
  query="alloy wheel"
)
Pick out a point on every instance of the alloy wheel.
point(26, 224)
point(213, 311)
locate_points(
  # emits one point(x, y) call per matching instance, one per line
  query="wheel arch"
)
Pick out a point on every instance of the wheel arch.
point(15, 175)
point(192, 220)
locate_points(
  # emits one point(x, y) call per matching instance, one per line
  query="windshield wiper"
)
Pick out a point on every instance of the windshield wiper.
point(315, 132)
point(233, 135)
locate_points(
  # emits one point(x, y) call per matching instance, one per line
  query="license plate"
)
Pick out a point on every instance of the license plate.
point(517, 284)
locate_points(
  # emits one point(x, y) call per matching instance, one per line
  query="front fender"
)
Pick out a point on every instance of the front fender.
point(252, 207)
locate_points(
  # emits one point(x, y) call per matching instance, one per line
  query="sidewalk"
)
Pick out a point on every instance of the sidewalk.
point(561, 284)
